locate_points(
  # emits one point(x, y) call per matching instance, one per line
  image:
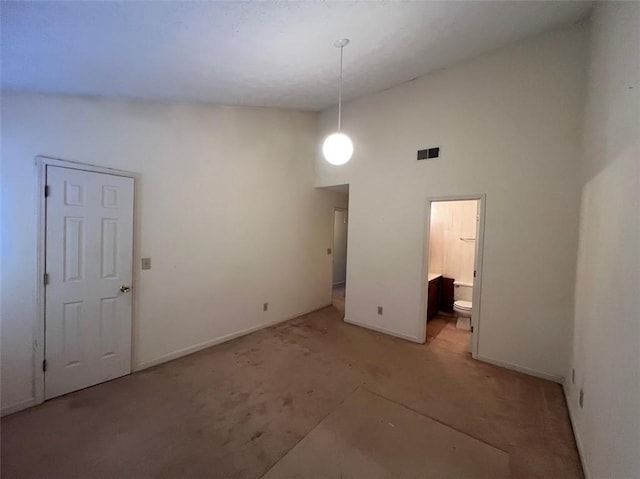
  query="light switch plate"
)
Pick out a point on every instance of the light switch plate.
point(146, 263)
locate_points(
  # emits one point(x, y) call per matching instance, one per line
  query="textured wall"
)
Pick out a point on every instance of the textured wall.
point(450, 255)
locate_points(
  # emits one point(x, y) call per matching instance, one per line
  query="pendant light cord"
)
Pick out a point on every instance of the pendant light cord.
point(340, 92)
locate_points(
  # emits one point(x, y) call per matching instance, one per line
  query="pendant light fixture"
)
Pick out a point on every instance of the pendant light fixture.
point(337, 147)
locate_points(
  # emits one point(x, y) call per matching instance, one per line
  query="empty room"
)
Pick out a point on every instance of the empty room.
point(330, 239)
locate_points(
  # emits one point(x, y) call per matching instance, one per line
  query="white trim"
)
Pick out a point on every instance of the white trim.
point(521, 369)
point(212, 342)
point(75, 165)
point(383, 330)
point(567, 400)
point(477, 281)
point(38, 323)
point(42, 162)
point(18, 407)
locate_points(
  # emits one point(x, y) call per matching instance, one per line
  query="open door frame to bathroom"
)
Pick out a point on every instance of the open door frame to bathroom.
point(477, 282)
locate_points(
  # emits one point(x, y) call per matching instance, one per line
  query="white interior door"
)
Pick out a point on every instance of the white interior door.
point(89, 251)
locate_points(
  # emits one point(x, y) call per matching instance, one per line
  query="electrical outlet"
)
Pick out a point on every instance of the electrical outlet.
point(581, 397)
point(146, 263)
point(573, 375)
point(265, 307)
point(380, 310)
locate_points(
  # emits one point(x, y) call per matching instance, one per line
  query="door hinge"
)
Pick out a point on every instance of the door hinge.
point(46, 191)
point(474, 273)
point(472, 328)
point(45, 279)
point(44, 365)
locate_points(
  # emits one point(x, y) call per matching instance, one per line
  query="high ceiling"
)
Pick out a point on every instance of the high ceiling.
point(253, 53)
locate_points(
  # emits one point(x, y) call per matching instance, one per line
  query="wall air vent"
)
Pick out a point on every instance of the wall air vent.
point(429, 154)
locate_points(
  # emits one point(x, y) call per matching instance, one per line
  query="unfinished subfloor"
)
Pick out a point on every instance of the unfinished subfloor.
point(337, 296)
point(236, 409)
point(443, 329)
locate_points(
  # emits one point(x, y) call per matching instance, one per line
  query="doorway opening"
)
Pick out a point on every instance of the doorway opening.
point(337, 249)
point(453, 261)
point(339, 262)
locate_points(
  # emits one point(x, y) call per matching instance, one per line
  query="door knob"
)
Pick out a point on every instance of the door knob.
point(125, 289)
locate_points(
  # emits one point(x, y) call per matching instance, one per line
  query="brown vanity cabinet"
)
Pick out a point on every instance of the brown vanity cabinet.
point(433, 304)
point(446, 295)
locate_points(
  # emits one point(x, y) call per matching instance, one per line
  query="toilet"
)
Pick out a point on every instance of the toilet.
point(462, 306)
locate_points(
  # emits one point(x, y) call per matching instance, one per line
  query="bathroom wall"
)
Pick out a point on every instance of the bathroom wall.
point(450, 255)
point(437, 228)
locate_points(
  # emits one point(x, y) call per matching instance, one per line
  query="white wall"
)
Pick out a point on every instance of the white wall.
point(449, 255)
point(606, 338)
point(227, 210)
point(508, 125)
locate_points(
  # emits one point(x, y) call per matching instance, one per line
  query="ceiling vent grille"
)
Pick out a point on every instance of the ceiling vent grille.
point(429, 153)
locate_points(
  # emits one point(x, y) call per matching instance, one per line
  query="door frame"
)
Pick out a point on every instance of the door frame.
point(478, 256)
point(333, 241)
point(42, 162)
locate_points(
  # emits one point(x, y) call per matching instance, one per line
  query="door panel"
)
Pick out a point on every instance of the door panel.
point(89, 252)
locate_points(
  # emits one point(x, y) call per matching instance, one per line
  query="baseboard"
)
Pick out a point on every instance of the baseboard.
point(212, 342)
point(521, 369)
point(382, 330)
point(17, 407)
point(576, 436)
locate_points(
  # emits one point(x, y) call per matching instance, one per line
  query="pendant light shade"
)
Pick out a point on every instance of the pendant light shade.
point(338, 147)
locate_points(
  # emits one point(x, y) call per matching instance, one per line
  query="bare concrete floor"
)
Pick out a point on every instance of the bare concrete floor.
point(371, 437)
point(337, 297)
point(236, 409)
point(443, 329)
